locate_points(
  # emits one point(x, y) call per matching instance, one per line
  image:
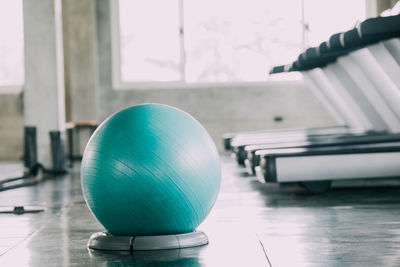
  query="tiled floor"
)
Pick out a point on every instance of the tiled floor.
point(252, 224)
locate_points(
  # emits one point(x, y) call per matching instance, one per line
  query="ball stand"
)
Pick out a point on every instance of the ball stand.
point(107, 241)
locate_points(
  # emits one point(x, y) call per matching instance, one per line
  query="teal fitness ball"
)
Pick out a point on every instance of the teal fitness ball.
point(150, 169)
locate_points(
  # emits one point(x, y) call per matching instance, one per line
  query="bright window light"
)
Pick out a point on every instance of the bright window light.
point(238, 41)
point(322, 18)
point(11, 44)
point(222, 41)
point(150, 49)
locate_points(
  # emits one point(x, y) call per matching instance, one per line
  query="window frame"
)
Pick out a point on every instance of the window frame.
point(118, 84)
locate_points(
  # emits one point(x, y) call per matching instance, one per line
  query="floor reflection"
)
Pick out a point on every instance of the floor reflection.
point(175, 257)
point(252, 224)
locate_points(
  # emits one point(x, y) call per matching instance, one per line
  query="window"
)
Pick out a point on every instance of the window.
point(187, 42)
point(11, 46)
point(322, 18)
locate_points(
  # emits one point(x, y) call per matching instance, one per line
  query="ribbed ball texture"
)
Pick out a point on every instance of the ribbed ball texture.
point(150, 169)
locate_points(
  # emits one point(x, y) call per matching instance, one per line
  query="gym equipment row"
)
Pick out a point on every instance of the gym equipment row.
point(356, 75)
point(33, 170)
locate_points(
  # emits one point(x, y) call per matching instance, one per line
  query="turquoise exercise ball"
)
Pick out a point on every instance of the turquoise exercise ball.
point(150, 169)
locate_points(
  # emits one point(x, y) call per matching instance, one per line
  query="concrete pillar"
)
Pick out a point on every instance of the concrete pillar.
point(81, 69)
point(44, 100)
point(80, 42)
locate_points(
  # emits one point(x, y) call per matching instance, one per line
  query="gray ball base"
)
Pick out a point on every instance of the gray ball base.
point(107, 241)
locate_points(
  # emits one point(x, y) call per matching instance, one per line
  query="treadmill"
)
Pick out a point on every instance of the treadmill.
point(315, 168)
point(254, 153)
point(332, 60)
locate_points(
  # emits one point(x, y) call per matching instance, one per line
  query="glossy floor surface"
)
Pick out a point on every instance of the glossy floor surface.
point(252, 224)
